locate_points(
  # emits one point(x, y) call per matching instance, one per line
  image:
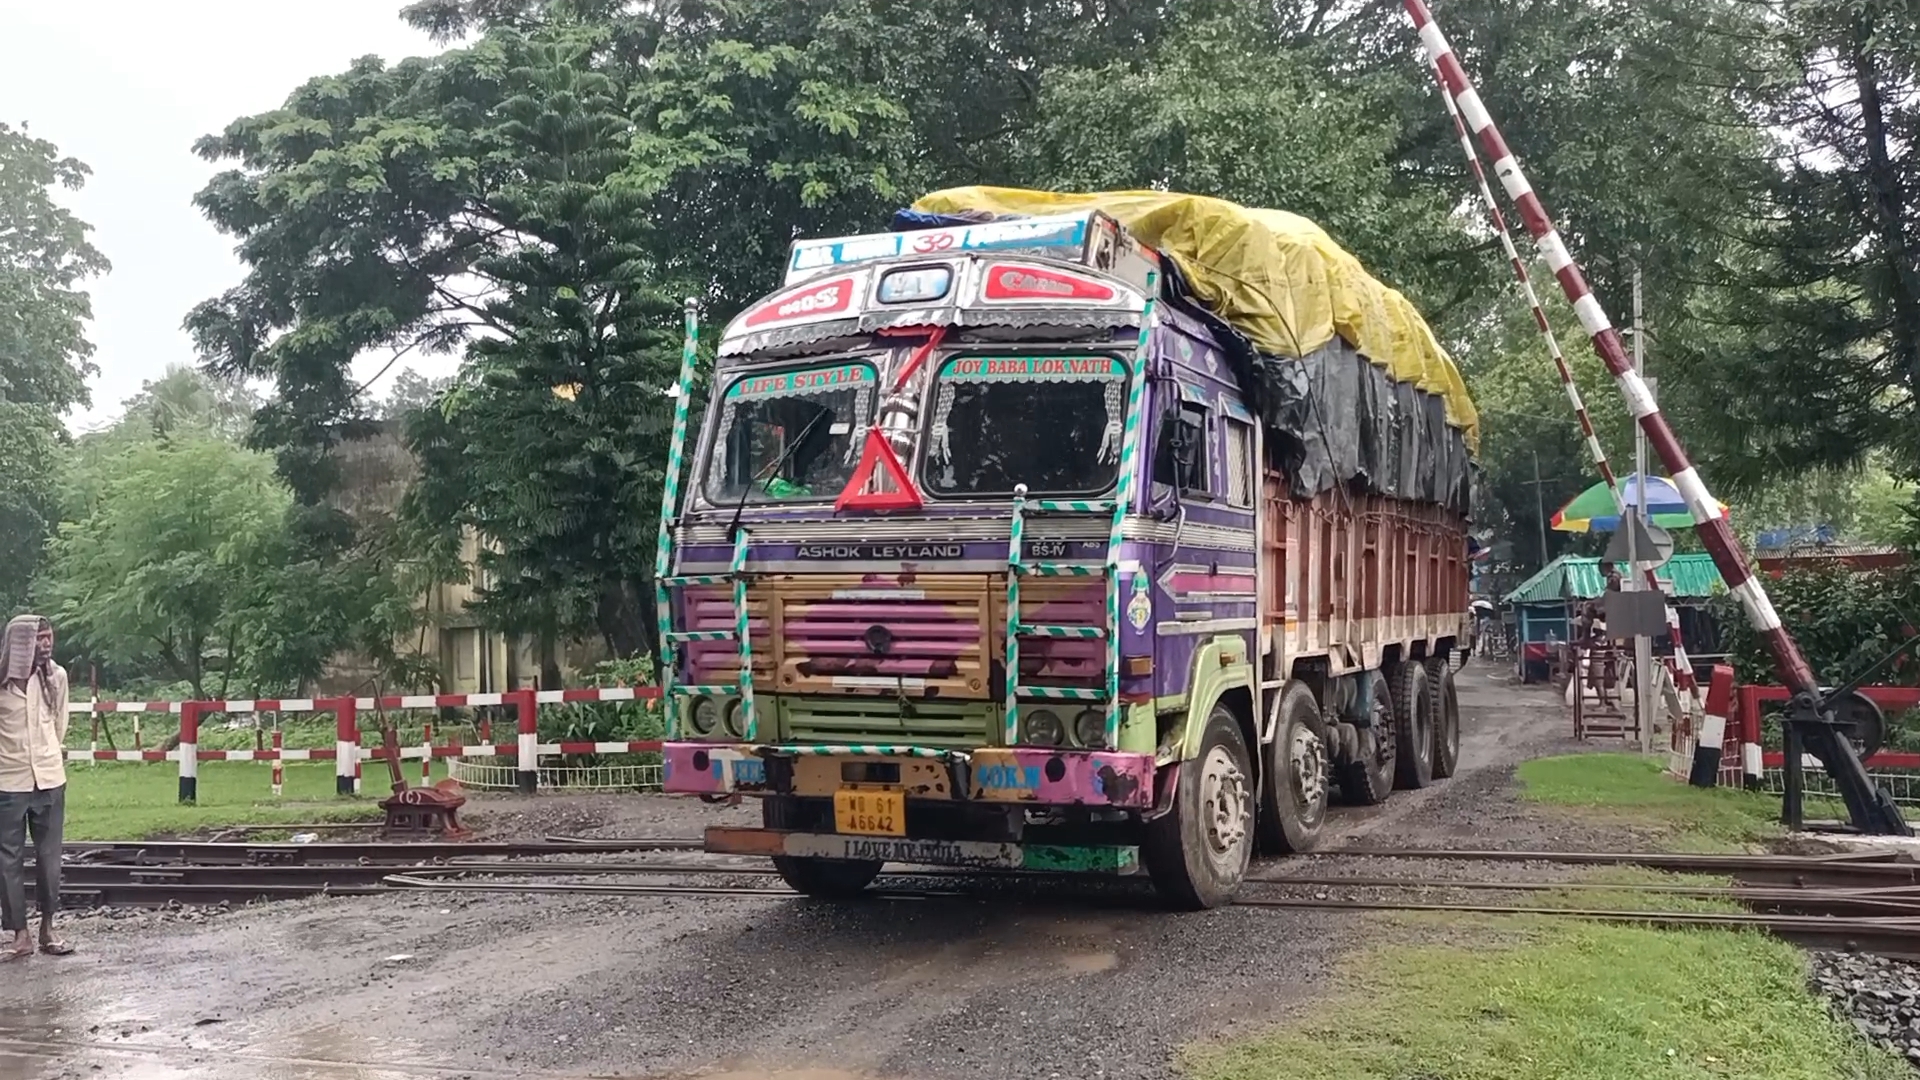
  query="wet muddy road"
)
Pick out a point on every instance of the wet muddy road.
point(1008, 982)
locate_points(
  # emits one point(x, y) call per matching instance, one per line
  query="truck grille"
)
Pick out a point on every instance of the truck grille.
point(945, 724)
point(841, 650)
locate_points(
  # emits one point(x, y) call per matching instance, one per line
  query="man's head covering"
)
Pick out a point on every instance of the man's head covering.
point(19, 652)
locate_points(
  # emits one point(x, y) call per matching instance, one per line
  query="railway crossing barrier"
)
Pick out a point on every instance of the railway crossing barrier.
point(1729, 750)
point(348, 754)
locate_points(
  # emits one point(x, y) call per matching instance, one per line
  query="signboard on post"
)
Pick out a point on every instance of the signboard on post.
point(1635, 614)
point(1653, 544)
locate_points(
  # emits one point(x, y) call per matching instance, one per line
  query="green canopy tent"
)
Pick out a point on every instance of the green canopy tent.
point(1543, 605)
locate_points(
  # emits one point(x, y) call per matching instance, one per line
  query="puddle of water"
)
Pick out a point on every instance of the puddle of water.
point(56, 1033)
point(1091, 963)
point(787, 1074)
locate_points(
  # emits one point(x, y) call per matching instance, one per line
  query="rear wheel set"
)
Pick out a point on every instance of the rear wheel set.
point(1414, 726)
point(1369, 780)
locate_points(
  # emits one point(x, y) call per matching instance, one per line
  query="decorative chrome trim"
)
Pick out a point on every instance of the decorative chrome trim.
point(1215, 537)
point(1211, 626)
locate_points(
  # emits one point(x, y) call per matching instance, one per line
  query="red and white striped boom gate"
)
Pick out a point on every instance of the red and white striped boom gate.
point(1810, 718)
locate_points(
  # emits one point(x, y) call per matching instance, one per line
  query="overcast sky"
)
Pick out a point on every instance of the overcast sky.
point(127, 86)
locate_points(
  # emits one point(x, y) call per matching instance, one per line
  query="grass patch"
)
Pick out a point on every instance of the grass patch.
point(1571, 1001)
point(1637, 790)
point(128, 801)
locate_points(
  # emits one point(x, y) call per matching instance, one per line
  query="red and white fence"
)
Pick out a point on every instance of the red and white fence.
point(348, 754)
point(1729, 749)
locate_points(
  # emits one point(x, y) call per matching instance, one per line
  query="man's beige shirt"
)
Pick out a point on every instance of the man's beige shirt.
point(33, 736)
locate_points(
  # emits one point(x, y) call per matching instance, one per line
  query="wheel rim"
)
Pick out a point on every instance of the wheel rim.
point(1224, 805)
point(1308, 762)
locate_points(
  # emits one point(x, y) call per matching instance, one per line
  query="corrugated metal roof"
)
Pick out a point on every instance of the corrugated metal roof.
point(1572, 577)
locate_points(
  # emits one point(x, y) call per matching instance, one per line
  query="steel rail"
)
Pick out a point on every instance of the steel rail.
point(1703, 858)
point(1887, 867)
point(1891, 902)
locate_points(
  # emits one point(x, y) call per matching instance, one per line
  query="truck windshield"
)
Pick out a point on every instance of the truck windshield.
point(805, 419)
point(1049, 422)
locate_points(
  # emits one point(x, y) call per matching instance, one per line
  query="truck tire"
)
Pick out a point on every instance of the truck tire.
point(1446, 722)
point(1413, 715)
point(1293, 788)
point(1369, 781)
point(827, 879)
point(1198, 853)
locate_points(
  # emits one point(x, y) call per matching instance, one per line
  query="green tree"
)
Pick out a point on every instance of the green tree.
point(45, 357)
point(30, 457)
point(490, 191)
point(410, 393)
point(1813, 332)
point(165, 567)
point(1273, 134)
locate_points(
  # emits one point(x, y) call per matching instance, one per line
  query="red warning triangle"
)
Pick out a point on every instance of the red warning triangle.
point(877, 454)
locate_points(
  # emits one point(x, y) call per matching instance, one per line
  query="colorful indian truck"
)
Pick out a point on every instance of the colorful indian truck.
point(1103, 533)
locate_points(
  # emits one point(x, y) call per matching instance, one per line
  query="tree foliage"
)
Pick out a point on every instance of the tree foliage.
point(537, 198)
point(30, 455)
point(45, 255)
point(1813, 340)
point(1844, 621)
point(165, 564)
point(45, 358)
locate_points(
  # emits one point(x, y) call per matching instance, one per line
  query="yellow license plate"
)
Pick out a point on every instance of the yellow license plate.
point(870, 813)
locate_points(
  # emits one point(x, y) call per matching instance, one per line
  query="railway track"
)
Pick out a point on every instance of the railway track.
point(1861, 902)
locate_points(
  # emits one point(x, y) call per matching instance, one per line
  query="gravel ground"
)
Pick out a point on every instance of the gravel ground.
point(1880, 996)
point(1012, 980)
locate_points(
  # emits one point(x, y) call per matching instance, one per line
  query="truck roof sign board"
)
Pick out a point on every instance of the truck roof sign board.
point(1060, 235)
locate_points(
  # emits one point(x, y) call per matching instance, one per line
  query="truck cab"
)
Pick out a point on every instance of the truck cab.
point(983, 558)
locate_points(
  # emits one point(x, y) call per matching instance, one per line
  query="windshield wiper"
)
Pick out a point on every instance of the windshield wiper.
point(733, 527)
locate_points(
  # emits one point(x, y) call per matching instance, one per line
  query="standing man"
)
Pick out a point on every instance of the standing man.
point(33, 779)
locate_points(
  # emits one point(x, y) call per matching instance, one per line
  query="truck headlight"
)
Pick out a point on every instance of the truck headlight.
point(1090, 728)
point(705, 715)
point(737, 718)
point(1044, 728)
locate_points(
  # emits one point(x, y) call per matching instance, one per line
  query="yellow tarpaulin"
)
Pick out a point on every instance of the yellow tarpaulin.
point(1274, 276)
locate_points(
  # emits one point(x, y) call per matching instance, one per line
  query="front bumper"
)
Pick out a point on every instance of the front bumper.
point(1025, 775)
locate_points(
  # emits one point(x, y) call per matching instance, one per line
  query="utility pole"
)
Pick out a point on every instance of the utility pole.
point(1540, 508)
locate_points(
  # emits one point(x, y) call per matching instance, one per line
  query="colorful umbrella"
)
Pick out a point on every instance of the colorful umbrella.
point(1593, 511)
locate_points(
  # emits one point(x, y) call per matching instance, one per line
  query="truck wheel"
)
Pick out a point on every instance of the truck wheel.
point(828, 879)
point(1446, 724)
point(1293, 791)
point(1413, 723)
point(1368, 781)
point(1198, 853)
